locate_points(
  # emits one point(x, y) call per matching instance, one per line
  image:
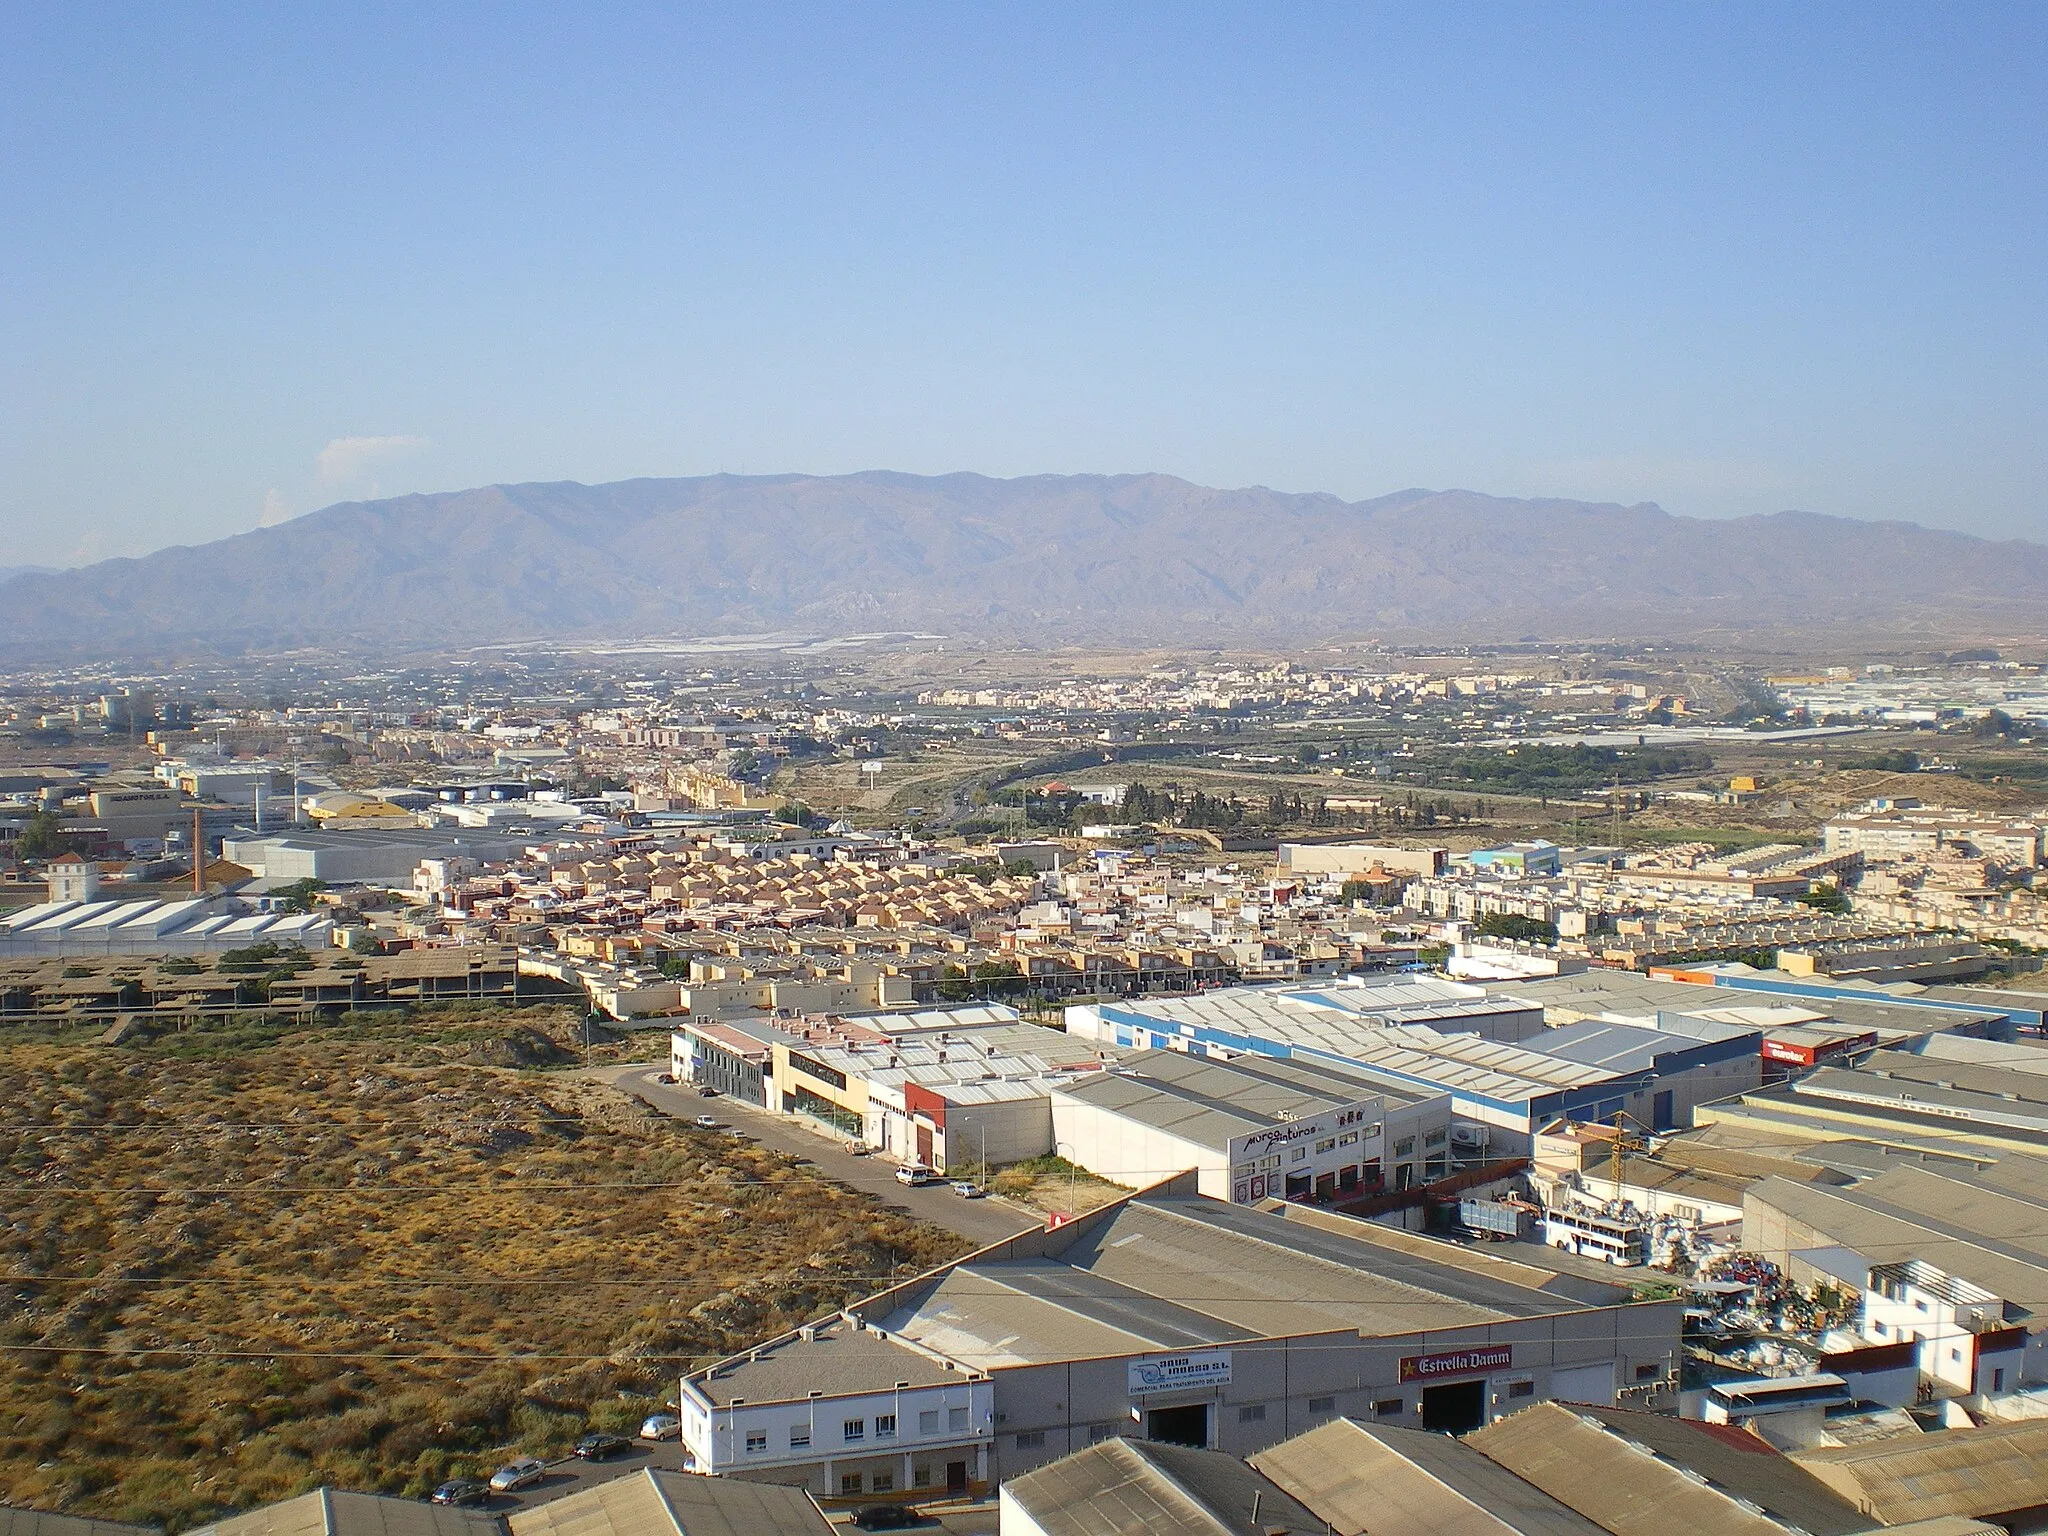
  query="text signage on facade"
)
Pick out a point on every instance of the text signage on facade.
point(1457, 1362)
point(1172, 1373)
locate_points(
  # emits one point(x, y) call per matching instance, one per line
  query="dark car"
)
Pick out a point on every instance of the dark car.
point(602, 1447)
point(887, 1517)
point(462, 1490)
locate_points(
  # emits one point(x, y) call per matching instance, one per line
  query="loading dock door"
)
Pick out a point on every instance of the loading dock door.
point(1188, 1425)
point(1454, 1407)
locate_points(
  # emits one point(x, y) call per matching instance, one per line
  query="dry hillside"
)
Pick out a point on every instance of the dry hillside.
point(239, 1264)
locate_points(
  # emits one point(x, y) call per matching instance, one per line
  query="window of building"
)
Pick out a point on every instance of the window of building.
point(1252, 1413)
point(1405, 1147)
point(757, 1441)
point(1955, 1354)
point(1322, 1404)
point(1347, 1139)
point(799, 1436)
point(849, 1482)
point(855, 1429)
point(1243, 1170)
point(956, 1421)
point(1328, 1143)
point(885, 1482)
point(1100, 1431)
point(1919, 1305)
point(885, 1425)
point(1298, 1155)
point(1436, 1138)
point(921, 1476)
point(928, 1421)
point(1030, 1439)
point(1878, 1328)
point(1521, 1389)
point(1649, 1372)
point(1389, 1408)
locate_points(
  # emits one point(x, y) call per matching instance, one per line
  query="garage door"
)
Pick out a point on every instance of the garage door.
point(1584, 1384)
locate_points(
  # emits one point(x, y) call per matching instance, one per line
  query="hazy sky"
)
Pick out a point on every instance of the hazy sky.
point(1729, 258)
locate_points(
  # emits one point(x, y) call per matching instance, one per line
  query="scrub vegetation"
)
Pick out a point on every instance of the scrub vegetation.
point(374, 1254)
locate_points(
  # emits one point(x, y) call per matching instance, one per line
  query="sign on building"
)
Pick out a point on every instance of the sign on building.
point(1172, 1373)
point(1457, 1362)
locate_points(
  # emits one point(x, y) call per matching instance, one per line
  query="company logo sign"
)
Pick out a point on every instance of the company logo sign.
point(1173, 1373)
point(1281, 1135)
point(1457, 1362)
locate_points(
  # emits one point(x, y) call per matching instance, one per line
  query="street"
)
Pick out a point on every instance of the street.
point(979, 1221)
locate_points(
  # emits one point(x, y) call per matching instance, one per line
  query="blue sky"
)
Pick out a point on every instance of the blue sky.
point(1728, 258)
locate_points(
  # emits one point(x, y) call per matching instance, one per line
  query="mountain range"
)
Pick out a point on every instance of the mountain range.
point(1043, 559)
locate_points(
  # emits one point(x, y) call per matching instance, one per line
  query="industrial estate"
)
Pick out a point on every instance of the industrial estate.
point(1396, 1092)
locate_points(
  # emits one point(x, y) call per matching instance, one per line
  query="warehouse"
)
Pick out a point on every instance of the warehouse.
point(1251, 1127)
point(198, 925)
point(1168, 1317)
point(373, 856)
point(1500, 1092)
point(1692, 1061)
point(1906, 1100)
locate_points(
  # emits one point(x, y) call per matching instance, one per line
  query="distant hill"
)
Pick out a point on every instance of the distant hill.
point(9, 572)
point(1095, 558)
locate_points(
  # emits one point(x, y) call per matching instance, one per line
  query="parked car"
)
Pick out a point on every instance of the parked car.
point(708, 1122)
point(462, 1490)
point(859, 1149)
point(601, 1447)
point(888, 1517)
point(514, 1475)
point(915, 1174)
point(706, 1091)
point(968, 1189)
point(660, 1426)
point(665, 1078)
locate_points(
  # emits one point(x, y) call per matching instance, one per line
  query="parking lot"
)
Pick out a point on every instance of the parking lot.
point(572, 1476)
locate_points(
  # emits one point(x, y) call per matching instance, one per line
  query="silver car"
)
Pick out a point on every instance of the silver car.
point(660, 1426)
point(514, 1475)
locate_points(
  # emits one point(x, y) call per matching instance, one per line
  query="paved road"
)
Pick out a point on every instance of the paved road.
point(979, 1221)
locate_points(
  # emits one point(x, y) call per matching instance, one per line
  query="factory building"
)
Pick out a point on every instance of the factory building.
point(1500, 1092)
point(1252, 1127)
point(198, 925)
point(1170, 1317)
point(371, 856)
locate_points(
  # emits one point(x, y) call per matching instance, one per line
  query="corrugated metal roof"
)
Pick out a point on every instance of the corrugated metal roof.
point(41, 1522)
point(1627, 1472)
point(1987, 1471)
point(331, 1512)
point(1125, 1488)
point(1403, 1482)
point(659, 1503)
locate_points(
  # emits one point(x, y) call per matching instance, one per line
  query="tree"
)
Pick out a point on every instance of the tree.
point(1513, 925)
point(41, 838)
point(298, 896)
point(1825, 898)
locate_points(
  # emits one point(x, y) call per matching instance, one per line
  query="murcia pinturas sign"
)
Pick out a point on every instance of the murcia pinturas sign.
point(1172, 1373)
point(1457, 1362)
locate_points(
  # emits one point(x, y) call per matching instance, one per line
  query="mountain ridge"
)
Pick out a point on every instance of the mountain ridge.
point(1094, 558)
